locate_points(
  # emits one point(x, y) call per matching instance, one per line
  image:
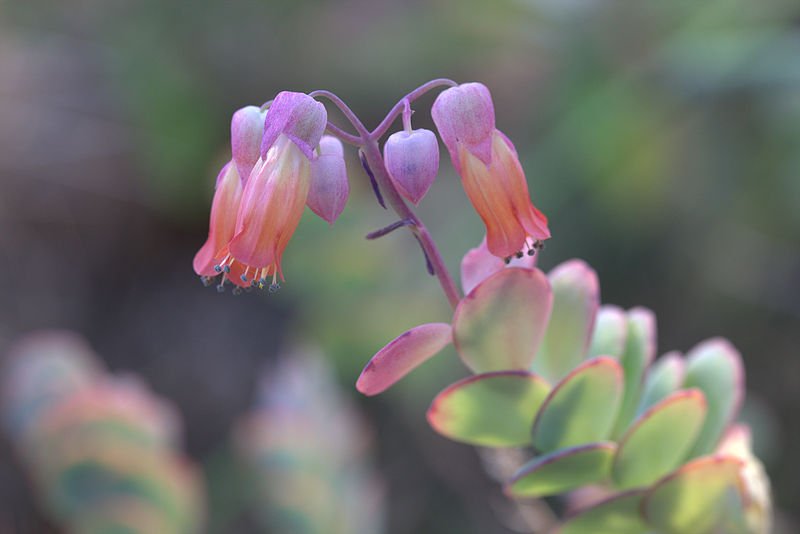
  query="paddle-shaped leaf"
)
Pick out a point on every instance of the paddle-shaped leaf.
point(610, 332)
point(576, 296)
point(402, 355)
point(689, 501)
point(659, 440)
point(640, 349)
point(715, 367)
point(664, 377)
point(500, 324)
point(492, 410)
point(562, 470)
point(582, 408)
point(616, 515)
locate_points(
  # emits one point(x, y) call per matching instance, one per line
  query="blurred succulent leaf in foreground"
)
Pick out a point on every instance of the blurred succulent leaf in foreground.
point(102, 451)
point(306, 447)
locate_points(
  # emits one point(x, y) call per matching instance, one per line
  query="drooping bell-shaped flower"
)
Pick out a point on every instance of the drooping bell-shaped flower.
point(224, 207)
point(276, 191)
point(490, 170)
point(412, 161)
point(329, 189)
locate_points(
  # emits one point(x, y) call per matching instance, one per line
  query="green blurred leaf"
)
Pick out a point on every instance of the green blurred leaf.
point(616, 515)
point(563, 470)
point(582, 408)
point(659, 440)
point(640, 348)
point(610, 332)
point(664, 377)
point(492, 410)
point(576, 294)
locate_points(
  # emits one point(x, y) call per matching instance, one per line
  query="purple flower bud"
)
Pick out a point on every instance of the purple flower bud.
point(412, 160)
point(329, 188)
point(464, 115)
point(299, 117)
point(247, 129)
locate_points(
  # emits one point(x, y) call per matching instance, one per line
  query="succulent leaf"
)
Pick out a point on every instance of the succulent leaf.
point(715, 367)
point(563, 470)
point(580, 409)
point(616, 515)
point(610, 332)
point(640, 349)
point(491, 410)
point(500, 324)
point(576, 297)
point(690, 500)
point(402, 355)
point(665, 376)
point(659, 439)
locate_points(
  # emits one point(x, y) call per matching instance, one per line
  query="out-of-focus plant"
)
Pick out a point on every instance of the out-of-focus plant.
point(102, 451)
point(305, 449)
point(651, 446)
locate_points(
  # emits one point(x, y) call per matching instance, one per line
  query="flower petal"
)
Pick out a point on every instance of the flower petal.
point(581, 408)
point(489, 410)
point(297, 116)
point(499, 325)
point(247, 129)
point(329, 189)
point(402, 355)
point(465, 115)
point(478, 264)
point(412, 161)
point(576, 297)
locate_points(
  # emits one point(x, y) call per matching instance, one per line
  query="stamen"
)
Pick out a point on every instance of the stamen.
point(221, 286)
point(507, 260)
point(519, 254)
point(237, 290)
point(531, 251)
point(206, 280)
point(244, 276)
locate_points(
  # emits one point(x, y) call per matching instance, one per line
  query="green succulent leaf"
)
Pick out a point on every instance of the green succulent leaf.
point(664, 377)
point(490, 410)
point(616, 515)
point(580, 409)
point(690, 500)
point(715, 367)
point(563, 470)
point(640, 349)
point(610, 332)
point(576, 295)
point(500, 324)
point(659, 439)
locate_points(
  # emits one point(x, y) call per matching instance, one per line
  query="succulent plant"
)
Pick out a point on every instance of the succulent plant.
point(649, 443)
point(306, 447)
point(101, 450)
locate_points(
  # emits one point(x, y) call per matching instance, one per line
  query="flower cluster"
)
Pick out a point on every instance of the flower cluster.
point(280, 162)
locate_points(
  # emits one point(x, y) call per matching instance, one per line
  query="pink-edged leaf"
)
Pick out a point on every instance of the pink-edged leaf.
point(691, 499)
point(640, 350)
point(402, 355)
point(499, 325)
point(610, 332)
point(479, 264)
point(665, 376)
point(489, 410)
point(618, 514)
point(576, 297)
point(581, 408)
point(563, 470)
point(716, 368)
point(659, 439)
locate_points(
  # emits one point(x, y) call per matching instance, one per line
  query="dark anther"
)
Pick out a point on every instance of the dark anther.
point(227, 268)
point(218, 268)
point(274, 287)
point(206, 280)
point(507, 260)
point(539, 245)
point(243, 278)
point(375, 188)
point(531, 252)
point(221, 288)
point(519, 254)
point(237, 290)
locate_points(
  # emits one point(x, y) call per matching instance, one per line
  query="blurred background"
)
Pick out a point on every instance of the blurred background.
point(662, 139)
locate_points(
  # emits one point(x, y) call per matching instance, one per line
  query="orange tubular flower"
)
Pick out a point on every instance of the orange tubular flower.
point(490, 170)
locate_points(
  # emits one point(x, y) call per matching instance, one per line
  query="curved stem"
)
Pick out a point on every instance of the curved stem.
point(373, 156)
point(381, 129)
point(350, 139)
point(345, 109)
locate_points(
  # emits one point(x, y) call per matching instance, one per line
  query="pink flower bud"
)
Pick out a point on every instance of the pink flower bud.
point(329, 188)
point(297, 116)
point(247, 129)
point(412, 160)
point(465, 115)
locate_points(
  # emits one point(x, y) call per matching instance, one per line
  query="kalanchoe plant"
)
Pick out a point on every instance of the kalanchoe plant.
point(637, 445)
point(102, 451)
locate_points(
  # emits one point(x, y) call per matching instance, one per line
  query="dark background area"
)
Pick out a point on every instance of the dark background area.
point(662, 139)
